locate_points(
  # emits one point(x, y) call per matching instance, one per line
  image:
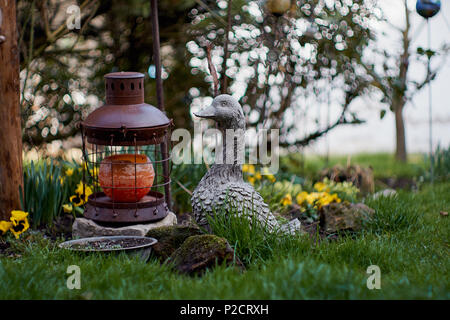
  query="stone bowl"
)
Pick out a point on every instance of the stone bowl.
point(132, 245)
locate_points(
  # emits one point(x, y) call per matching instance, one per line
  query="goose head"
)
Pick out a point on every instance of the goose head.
point(226, 111)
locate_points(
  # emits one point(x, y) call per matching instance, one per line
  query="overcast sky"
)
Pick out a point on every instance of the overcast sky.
point(379, 135)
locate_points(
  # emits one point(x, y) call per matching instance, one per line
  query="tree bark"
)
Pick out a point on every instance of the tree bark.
point(398, 101)
point(11, 174)
point(400, 151)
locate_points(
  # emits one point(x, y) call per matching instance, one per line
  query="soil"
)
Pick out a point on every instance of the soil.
point(111, 244)
point(4, 246)
point(397, 183)
point(313, 228)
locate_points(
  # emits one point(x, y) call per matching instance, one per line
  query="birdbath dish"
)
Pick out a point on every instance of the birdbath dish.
point(133, 245)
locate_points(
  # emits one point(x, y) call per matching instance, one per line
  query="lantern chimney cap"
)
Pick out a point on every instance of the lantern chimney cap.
point(124, 75)
point(125, 115)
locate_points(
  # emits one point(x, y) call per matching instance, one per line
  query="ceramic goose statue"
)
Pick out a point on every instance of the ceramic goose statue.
point(224, 181)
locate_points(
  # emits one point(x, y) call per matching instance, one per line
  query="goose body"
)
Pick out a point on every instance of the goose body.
point(223, 184)
point(218, 188)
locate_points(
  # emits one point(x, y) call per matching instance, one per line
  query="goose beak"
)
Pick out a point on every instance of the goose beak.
point(207, 113)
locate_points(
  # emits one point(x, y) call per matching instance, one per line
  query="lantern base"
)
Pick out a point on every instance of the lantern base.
point(150, 208)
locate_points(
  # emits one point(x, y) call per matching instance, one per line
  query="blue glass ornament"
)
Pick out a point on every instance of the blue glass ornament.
point(428, 8)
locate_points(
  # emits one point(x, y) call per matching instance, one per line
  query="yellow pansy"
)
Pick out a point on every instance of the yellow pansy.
point(4, 227)
point(249, 168)
point(312, 197)
point(301, 197)
point(320, 186)
point(19, 222)
point(87, 189)
point(69, 172)
point(77, 200)
point(287, 200)
point(266, 172)
point(67, 208)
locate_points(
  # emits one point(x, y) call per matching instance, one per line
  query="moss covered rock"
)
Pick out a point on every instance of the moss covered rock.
point(344, 216)
point(170, 238)
point(201, 252)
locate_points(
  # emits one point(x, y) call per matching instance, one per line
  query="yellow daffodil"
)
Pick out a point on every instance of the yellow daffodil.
point(69, 172)
point(258, 176)
point(287, 200)
point(4, 227)
point(67, 208)
point(94, 172)
point(83, 166)
point(249, 168)
point(251, 180)
point(301, 197)
point(61, 180)
point(19, 222)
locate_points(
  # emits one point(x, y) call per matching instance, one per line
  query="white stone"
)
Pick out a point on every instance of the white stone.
point(385, 193)
point(84, 228)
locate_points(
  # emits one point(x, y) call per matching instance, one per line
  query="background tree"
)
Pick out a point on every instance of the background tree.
point(10, 133)
point(391, 75)
point(62, 70)
point(280, 67)
point(277, 62)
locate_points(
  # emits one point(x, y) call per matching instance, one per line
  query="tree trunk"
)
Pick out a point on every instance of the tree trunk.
point(400, 151)
point(11, 175)
point(399, 101)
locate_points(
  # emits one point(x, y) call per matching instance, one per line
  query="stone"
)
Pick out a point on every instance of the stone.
point(385, 193)
point(84, 228)
point(170, 238)
point(202, 252)
point(344, 216)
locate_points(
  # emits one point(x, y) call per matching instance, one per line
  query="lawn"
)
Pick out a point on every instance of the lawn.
point(383, 164)
point(407, 239)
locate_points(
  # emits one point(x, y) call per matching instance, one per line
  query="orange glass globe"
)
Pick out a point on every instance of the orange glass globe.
point(116, 176)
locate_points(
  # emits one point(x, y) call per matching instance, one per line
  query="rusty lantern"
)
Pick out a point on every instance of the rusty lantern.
point(126, 155)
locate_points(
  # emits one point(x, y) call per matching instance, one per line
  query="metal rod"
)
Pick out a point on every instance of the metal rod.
point(430, 105)
point(159, 92)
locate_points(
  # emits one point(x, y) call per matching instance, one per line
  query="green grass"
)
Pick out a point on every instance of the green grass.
point(383, 164)
point(407, 239)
